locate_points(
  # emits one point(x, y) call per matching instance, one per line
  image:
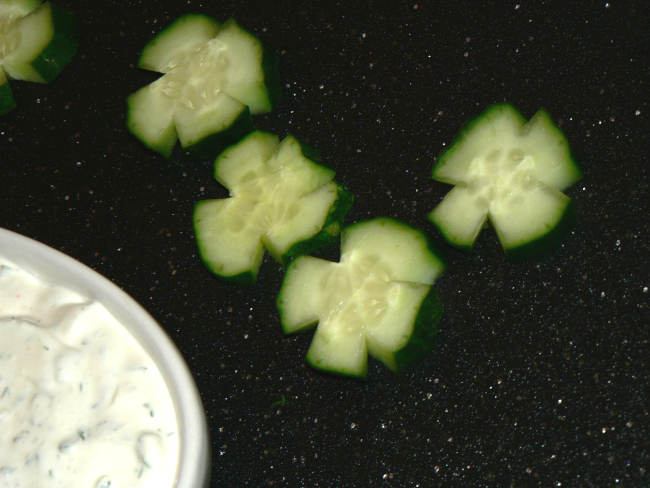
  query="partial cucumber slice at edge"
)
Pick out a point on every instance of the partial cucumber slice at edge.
point(47, 44)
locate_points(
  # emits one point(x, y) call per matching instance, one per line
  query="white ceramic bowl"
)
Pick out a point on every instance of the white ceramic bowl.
point(56, 267)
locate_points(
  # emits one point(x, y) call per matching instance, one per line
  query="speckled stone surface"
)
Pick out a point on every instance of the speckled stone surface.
point(540, 374)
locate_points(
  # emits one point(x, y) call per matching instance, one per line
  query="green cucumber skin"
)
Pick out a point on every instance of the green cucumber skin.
point(217, 142)
point(424, 333)
point(329, 233)
point(63, 46)
point(272, 81)
point(550, 241)
point(309, 151)
point(7, 101)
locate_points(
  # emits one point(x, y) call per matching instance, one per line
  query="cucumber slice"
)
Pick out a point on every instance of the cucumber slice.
point(280, 200)
point(377, 300)
point(215, 76)
point(36, 42)
point(511, 172)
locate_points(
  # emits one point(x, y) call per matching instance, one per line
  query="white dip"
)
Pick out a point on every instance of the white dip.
point(81, 403)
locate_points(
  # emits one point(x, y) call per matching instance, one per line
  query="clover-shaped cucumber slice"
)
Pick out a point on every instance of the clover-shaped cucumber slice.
point(214, 76)
point(280, 201)
point(377, 300)
point(511, 172)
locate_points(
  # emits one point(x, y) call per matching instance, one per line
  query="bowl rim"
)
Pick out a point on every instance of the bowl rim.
point(61, 269)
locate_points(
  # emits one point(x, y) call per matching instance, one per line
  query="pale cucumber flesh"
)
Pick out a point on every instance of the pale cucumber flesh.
point(11, 10)
point(301, 300)
point(298, 220)
point(460, 217)
point(179, 39)
point(403, 250)
point(307, 175)
point(226, 250)
point(197, 122)
point(240, 162)
point(528, 216)
point(150, 117)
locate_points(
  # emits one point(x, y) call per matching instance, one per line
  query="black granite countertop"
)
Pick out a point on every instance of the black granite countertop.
point(540, 374)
